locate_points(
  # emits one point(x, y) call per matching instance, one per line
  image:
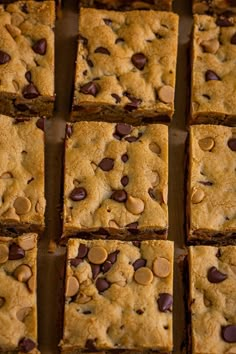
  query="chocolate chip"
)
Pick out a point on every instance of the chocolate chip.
point(4, 57)
point(139, 263)
point(82, 251)
point(211, 75)
point(40, 123)
point(91, 88)
point(131, 139)
point(26, 345)
point(215, 276)
point(15, 252)
point(28, 76)
point(136, 243)
point(82, 39)
point(232, 144)
point(102, 284)
point(78, 194)
point(40, 47)
point(206, 183)
point(123, 129)
point(21, 107)
point(223, 21)
point(124, 180)
point(90, 345)
point(112, 257)
point(24, 9)
point(119, 196)
point(165, 302)
point(124, 158)
point(75, 261)
point(106, 164)
point(133, 104)
point(119, 40)
point(132, 227)
point(106, 266)
point(218, 253)
point(116, 97)
point(102, 50)
point(107, 21)
point(90, 63)
point(139, 60)
point(151, 192)
point(30, 91)
point(69, 130)
point(139, 312)
point(95, 270)
point(233, 39)
point(229, 333)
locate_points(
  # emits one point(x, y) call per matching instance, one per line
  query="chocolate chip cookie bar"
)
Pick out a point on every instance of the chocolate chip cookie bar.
point(213, 6)
point(27, 58)
point(211, 186)
point(128, 5)
point(127, 71)
point(18, 301)
point(22, 202)
point(118, 295)
point(116, 181)
point(213, 299)
point(213, 70)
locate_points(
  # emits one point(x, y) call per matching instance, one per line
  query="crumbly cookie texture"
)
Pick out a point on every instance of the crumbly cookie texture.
point(213, 70)
point(212, 181)
point(128, 5)
point(213, 6)
point(18, 302)
point(116, 180)
point(118, 295)
point(212, 273)
point(22, 203)
point(27, 58)
point(127, 71)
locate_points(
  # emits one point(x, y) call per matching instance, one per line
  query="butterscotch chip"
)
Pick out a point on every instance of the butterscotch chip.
point(4, 251)
point(72, 286)
point(32, 284)
point(210, 46)
point(22, 205)
point(27, 242)
point(113, 224)
point(23, 313)
point(166, 94)
point(6, 175)
point(134, 205)
point(197, 196)
point(143, 276)
point(161, 267)
point(97, 255)
point(23, 273)
point(206, 144)
point(155, 148)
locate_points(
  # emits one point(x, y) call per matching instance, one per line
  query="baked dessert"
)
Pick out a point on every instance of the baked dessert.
point(18, 299)
point(118, 295)
point(212, 299)
point(127, 71)
point(22, 204)
point(116, 181)
point(211, 205)
point(213, 70)
point(213, 6)
point(27, 58)
point(128, 5)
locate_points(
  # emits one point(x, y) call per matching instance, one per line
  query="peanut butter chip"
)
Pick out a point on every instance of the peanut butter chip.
point(211, 46)
point(27, 242)
point(134, 205)
point(32, 284)
point(4, 251)
point(23, 273)
point(113, 224)
point(197, 196)
point(22, 205)
point(155, 148)
point(23, 313)
point(72, 286)
point(143, 276)
point(206, 144)
point(6, 175)
point(97, 255)
point(161, 267)
point(166, 94)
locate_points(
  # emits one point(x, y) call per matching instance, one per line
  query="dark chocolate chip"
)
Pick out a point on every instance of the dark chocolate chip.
point(112, 257)
point(124, 180)
point(102, 50)
point(229, 333)
point(139, 263)
point(106, 164)
point(40, 123)
point(26, 345)
point(139, 312)
point(95, 270)
point(30, 91)
point(136, 243)
point(75, 261)
point(69, 130)
point(124, 158)
point(15, 252)
point(123, 129)
point(82, 251)
point(102, 284)
point(119, 196)
point(21, 107)
point(90, 63)
point(24, 9)
point(206, 96)
point(85, 72)
point(87, 312)
point(133, 104)
point(233, 39)
point(82, 39)
point(206, 183)
point(215, 276)
point(211, 75)
point(90, 345)
point(223, 21)
point(116, 97)
point(151, 192)
point(107, 21)
point(91, 88)
point(232, 144)
point(132, 226)
point(101, 231)
point(131, 139)
point(4, 57)
point(165, 302)
point(119, 40)
point(218, 254)
point(139, 60)
point(78, 194)
point(28, 76)
point(40, 47)
point(106, 266)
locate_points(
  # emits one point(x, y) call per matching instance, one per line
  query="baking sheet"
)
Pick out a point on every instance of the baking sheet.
point(51, 264)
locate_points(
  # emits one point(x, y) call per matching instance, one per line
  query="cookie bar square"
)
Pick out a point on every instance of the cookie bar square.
point(211, 186)
point(116, 181)
point(165, 5)
point(213, 70)
point(27, 58)
point(212, 279)
point(213, 6)
point(18, 300)
point(127, 71)
point(118, 295)
point(22, 204)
